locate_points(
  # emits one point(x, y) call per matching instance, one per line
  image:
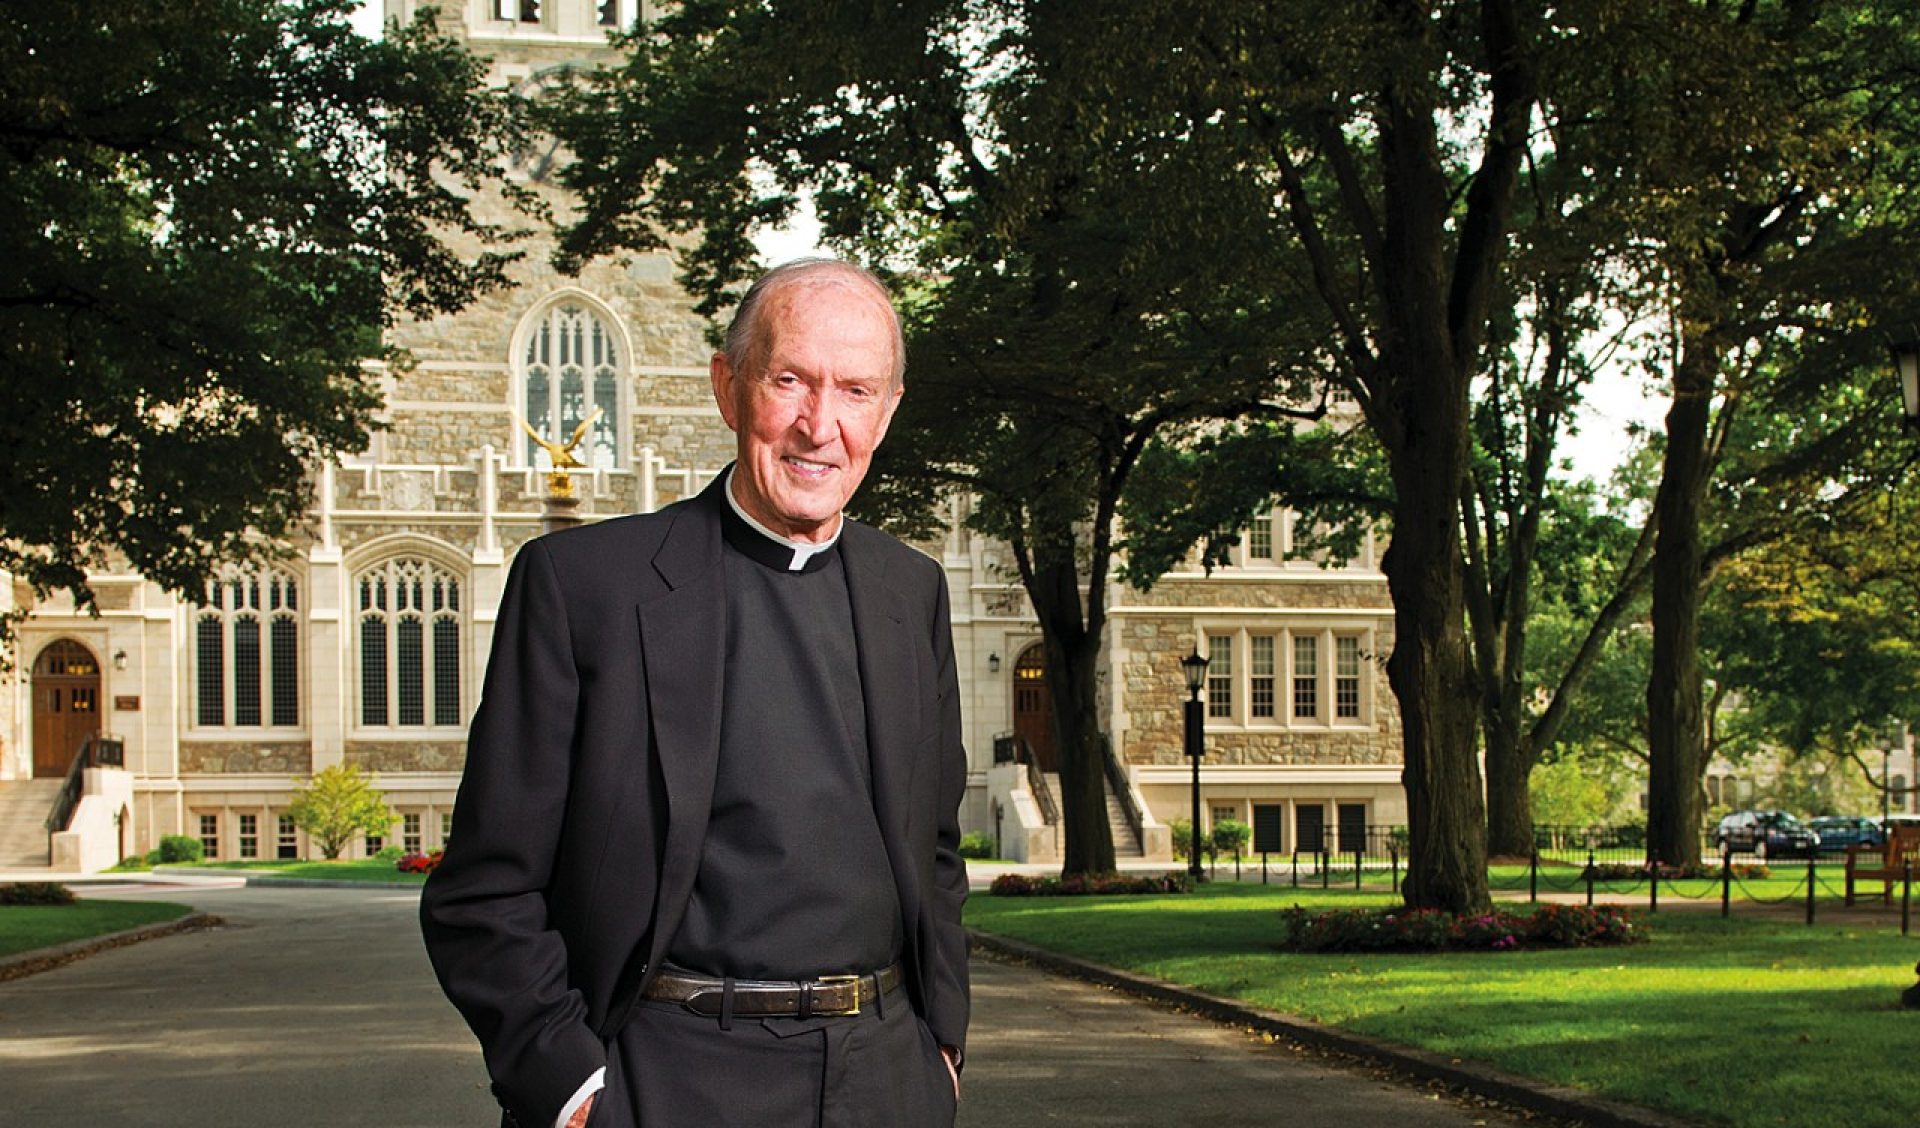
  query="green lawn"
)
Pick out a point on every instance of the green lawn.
point(26, 927)
point(1743, 1021)
point(370, 870)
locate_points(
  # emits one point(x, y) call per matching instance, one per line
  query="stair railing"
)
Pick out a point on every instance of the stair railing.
point(1037, 784)
point(1123, 789)
point(95, 752)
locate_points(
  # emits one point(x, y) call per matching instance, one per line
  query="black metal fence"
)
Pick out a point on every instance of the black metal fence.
point(1594, 863)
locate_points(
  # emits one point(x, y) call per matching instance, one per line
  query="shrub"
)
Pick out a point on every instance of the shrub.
point(1231, 836)
point(976, 845)
point(176, 848)
point(35, 893)
point(1082, 884)
point(391, 852)
point(1182, 833)
point(418, 863)
point(1430, 930)
point(337, 804)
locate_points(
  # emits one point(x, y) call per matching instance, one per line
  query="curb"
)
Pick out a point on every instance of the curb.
point(46, 959)
point(1560, 1101)
point(269, 879)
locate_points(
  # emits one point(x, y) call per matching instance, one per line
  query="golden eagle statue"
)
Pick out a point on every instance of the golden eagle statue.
point(560, 479)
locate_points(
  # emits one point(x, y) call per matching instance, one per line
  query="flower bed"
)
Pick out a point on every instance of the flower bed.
point(418, 863)
point(1619, 871)
point(1429, 930)
point(1081, 884)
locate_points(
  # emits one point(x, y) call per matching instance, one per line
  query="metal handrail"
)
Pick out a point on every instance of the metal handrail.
point(69, 797)
point(1117, 780)
point(1037, 783)
point(95, 752)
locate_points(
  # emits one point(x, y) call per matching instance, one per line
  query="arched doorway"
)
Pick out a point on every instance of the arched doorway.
point(66, 705)
point(1033, 706)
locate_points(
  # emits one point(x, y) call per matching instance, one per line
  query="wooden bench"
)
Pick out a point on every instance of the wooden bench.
point(1885, 863)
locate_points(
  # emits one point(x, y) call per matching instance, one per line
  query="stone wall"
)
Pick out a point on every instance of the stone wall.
point(407, 755)
point(1277, 590)
point(290, 758)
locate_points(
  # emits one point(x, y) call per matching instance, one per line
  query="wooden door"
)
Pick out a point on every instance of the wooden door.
point(1033, 706)
point(66, 706)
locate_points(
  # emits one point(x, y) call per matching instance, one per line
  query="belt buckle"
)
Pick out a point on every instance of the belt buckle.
point(840, 981)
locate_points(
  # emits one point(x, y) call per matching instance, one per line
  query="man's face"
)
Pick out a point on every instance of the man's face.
point(809, 418)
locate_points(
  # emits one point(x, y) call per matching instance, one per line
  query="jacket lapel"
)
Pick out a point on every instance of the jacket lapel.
point(683, 646)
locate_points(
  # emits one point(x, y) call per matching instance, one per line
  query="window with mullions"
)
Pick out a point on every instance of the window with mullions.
point(249, 836)
point(1346, 677)
point(1306, 677)
point(1317, 672)
point(569, 367)
point(209, 836)
point(1260, 676)
point(1220, 676)
point(410, 626)
point(517, 11)
point(247, 652)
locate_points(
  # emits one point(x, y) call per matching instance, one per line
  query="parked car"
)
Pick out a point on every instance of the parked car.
point(1770, 834)
point(1837, 832)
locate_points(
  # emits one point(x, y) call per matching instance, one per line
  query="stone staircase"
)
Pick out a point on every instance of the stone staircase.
point(24, 806)
point(1125, 845)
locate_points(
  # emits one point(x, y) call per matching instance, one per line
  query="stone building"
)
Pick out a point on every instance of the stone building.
point(366, 641)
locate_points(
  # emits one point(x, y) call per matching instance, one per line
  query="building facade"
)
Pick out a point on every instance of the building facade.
point(364, 642)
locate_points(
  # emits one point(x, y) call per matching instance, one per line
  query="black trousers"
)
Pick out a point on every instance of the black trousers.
point(670, 1068)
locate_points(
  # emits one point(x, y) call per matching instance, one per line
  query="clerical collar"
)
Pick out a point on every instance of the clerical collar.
point(770, 548)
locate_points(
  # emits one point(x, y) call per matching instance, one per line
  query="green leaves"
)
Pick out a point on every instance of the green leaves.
point(209, 211)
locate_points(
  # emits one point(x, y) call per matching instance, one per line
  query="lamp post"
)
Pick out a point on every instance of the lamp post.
point(1194, 668)
point(1906, 361)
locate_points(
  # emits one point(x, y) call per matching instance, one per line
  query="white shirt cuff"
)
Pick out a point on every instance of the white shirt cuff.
point(589, 1087)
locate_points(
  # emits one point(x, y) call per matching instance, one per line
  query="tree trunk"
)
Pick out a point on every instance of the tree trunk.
point(1676, 739)
point(1083, 773)
point(1073, 649)
point(1510, 763)
point(1429, 670)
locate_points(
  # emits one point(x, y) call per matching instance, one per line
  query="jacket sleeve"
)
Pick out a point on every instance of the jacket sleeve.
point(945, 954)
point(484, 911)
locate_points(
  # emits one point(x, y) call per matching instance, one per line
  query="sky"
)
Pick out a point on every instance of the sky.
point(1614, 402)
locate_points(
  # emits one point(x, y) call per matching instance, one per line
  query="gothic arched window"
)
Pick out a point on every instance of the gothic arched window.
point(570, 364)
point(410, 626)
point(246, 636)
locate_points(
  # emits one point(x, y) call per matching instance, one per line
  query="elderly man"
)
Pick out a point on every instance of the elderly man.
point(704, 864)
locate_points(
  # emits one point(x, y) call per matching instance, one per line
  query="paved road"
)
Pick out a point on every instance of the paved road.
point(315, 1007)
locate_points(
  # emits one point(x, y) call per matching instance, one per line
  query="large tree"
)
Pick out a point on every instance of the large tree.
point(1394, 135)
point(1763, 153)
point(1385, 144)
point(1064, 319)
point(209, 211)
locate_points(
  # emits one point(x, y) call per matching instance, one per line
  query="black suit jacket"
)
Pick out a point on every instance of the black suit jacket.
point(589, 779)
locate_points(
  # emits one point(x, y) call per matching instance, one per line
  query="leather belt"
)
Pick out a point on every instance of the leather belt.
point(827, 996)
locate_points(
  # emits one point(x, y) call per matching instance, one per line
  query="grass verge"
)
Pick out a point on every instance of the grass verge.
point(24, 928)
point(1741, 1022)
